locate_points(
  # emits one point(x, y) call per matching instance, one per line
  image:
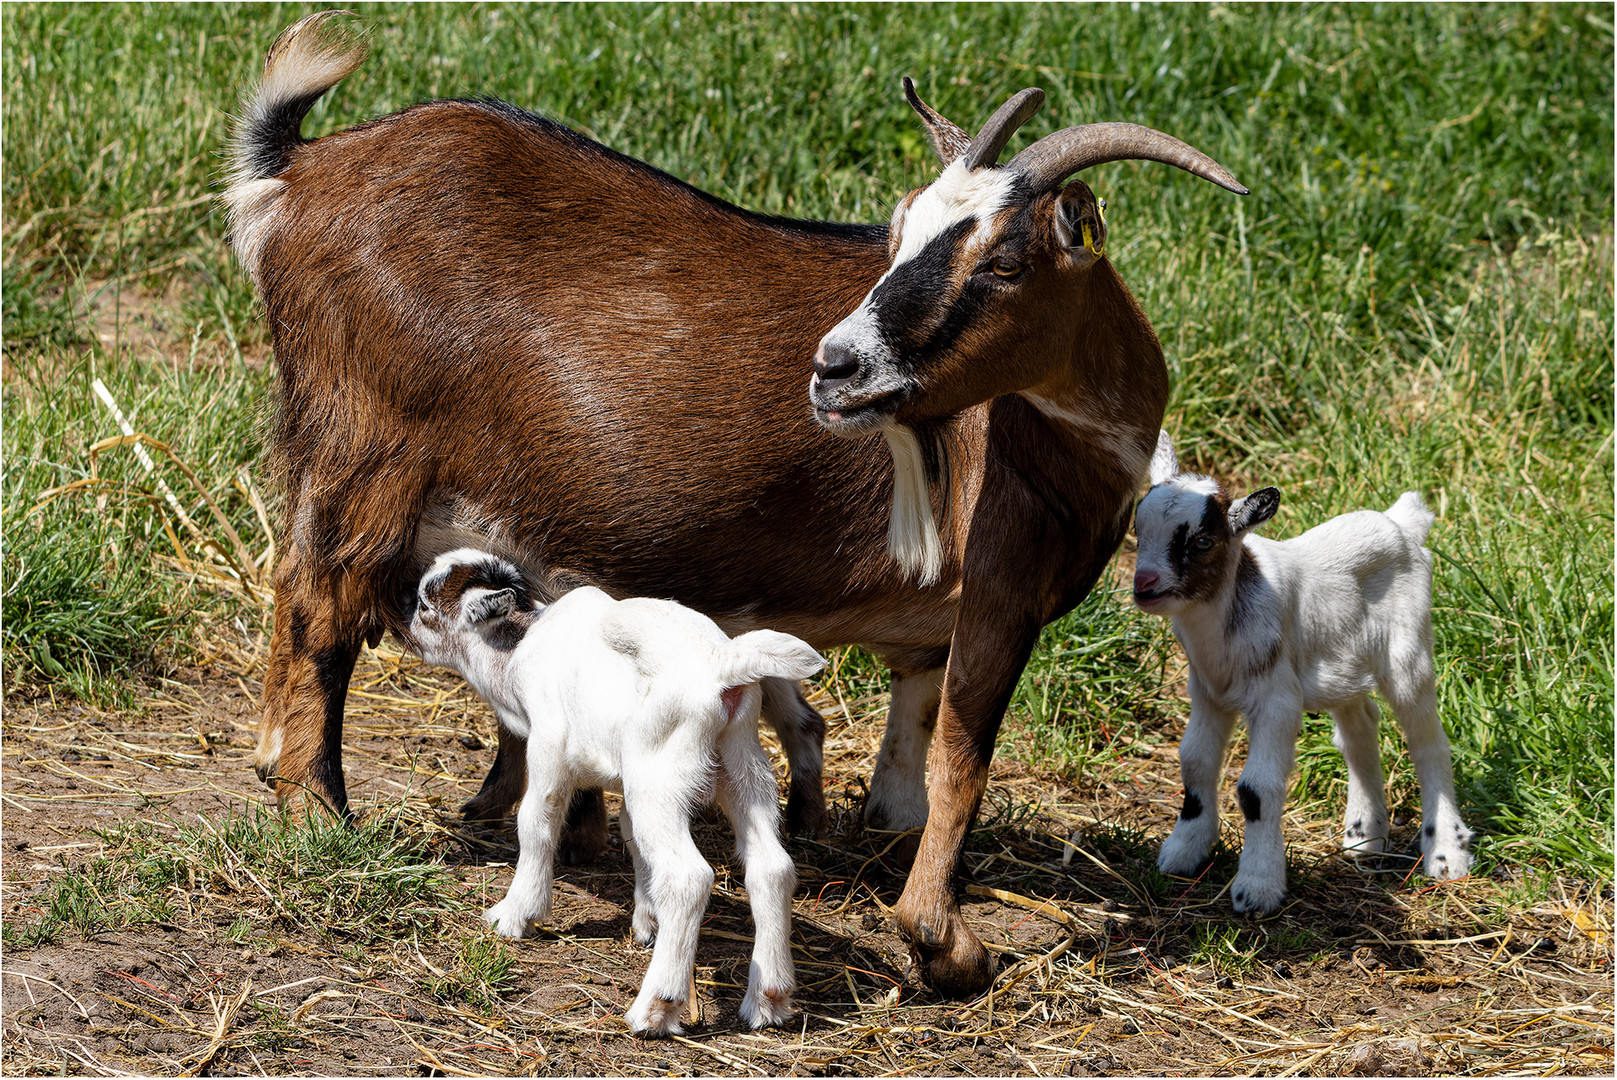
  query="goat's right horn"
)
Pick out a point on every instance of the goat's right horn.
point(992, 137)
point(1058, 155)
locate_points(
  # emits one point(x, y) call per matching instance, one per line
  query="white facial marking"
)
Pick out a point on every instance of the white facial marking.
point(954, 196)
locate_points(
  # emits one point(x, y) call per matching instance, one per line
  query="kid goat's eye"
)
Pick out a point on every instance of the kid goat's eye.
point(1202, 543)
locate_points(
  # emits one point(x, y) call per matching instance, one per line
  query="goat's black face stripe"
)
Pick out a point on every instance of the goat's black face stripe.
point(906, 303)
point(1179, 548)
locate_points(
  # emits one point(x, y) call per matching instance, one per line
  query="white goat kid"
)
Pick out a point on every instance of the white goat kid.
point(648, 697)
point(1276, 628)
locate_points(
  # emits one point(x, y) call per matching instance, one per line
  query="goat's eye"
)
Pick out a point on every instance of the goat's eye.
point(1202, 544)
point(1005, 267)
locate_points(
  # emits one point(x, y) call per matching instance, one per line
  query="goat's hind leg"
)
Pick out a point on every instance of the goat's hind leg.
point(1364, 823)
point(643, 920)
point(801, 730)
point(316, 639)
point(681, 881)
point(1444, 838)
point(746, 794)
point(898, 800)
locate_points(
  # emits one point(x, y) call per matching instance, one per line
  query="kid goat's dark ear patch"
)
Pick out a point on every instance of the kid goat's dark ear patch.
point(1248, 513)
point(494, 605)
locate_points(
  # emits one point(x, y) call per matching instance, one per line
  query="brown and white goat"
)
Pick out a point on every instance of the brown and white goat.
point(493, 331)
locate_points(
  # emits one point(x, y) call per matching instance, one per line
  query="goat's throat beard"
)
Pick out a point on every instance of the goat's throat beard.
point(912, 532)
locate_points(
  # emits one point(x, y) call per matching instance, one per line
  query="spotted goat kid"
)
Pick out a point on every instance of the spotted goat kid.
point(1274, 628)
point(649, 698)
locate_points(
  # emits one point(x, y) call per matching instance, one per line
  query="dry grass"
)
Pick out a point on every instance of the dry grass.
point(1103, 967)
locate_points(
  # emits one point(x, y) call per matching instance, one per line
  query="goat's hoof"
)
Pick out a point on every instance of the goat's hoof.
point(951, 961)
point(1256, 899)
point(508, 920)
point(805, 813)
point(654, 1017)
point(486, 807)
point(767, 1008)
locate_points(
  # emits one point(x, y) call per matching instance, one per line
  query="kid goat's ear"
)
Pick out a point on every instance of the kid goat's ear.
point(1164, 462)
point(494, 605)
point(1248, 513)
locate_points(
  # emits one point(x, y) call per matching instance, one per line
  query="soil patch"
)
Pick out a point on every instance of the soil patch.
point(1105, 968)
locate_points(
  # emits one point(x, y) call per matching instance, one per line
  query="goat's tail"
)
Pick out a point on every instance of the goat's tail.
point(766, 654)
point(1409, 513)
point(309, 58)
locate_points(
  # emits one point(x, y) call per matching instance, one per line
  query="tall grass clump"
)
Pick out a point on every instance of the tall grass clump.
point(1417, 294)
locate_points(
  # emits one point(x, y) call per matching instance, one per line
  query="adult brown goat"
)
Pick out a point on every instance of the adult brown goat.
point(492, 331)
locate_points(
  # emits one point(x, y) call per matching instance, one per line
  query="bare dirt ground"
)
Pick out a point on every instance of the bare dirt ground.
point(1102, 970)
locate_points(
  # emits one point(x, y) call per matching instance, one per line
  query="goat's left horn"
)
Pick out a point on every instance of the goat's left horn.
point(1057, 156)
point(993, 135)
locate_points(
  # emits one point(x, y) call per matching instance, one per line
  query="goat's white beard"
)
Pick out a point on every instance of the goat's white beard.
point(912, 533)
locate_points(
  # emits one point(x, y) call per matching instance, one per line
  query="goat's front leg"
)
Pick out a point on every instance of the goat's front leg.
point(991, 646)
point(746, 794)
point(586, 833)
point(1364, 823)
point(801, 730)
point(897, 799)
point(1259, 887)
point(1201, 766)
point(681, 881)
point(539, 821)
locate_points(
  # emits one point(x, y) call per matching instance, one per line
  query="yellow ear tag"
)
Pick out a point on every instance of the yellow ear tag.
point(1089, 240)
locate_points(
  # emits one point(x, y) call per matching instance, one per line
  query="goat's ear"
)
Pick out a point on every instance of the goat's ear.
point(1081, 220)
point(1164, 462)
point(494, 605)
point(1248, 513)
point(948, 141)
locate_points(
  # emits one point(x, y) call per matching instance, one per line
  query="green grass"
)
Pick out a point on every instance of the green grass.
point(373, 880)
point(1417, 294)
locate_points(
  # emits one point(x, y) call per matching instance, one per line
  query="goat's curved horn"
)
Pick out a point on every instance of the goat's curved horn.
point(1058, 155)
point(993, 135)
point(948, 141)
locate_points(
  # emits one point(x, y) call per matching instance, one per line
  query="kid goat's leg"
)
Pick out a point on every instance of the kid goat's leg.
point(1364, 825)
point(1412, 693)
point(1201, 765)
point(1260, 883)
point(746, 793)
point(680, 883)
point(643, 921)
point(539, 822)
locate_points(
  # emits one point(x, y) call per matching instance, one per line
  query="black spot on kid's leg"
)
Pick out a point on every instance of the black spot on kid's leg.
point(1192, 808)
point(1251, 804)
point(1431, 831)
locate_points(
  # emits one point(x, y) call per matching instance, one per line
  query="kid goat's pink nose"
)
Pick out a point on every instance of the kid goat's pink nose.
point(1145, 581)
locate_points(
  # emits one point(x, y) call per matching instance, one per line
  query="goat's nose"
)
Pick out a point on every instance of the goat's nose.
point(835, 363)
point(1145, 580)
